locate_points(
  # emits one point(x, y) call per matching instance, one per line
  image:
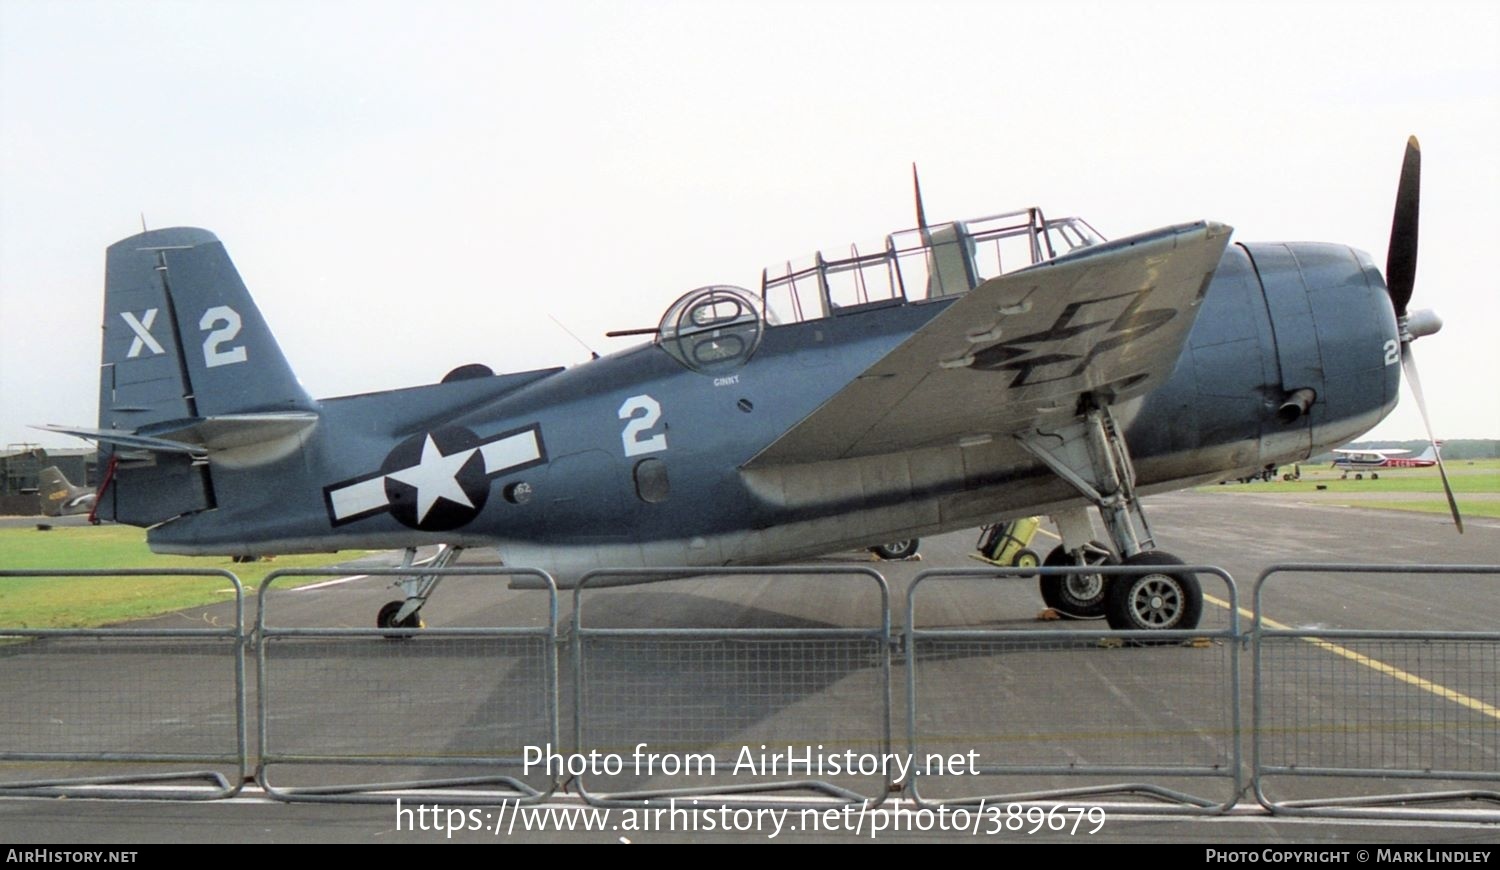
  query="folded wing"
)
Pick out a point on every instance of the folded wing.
point(1020, 350)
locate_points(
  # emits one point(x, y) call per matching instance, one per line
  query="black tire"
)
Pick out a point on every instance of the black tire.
point(897, 550)
point(1076, 596)
point(387, 619)
point(1159, 600)
point(1027, 558)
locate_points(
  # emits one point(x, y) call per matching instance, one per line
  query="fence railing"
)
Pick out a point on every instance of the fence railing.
point(1348, 719)
point(152, 710)
point(456, 710)
point(705, 707)
point(770, 684)
point(1072, 712)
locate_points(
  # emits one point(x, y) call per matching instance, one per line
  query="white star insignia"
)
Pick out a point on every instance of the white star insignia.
point(435, 476)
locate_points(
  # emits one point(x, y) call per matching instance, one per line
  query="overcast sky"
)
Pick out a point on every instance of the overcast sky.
point(407, 187)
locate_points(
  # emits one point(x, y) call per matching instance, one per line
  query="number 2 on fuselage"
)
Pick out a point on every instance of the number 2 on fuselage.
point(643, 413)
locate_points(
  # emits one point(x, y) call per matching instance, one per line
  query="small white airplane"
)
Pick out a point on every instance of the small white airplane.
point(1370, 459)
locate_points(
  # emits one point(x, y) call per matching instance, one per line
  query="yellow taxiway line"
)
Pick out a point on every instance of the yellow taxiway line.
point(1376, 665)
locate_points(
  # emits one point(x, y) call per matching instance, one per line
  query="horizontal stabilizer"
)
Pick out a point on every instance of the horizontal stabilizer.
point(200, 437)
point(228, 431)
point(128, 440)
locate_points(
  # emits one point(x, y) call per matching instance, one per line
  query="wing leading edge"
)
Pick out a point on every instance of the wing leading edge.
point(1020, 349)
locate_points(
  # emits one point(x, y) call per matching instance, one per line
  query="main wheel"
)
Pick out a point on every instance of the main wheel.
point(1076, 596)
point(1157, 600)
point(387, 619)
point(897, 549)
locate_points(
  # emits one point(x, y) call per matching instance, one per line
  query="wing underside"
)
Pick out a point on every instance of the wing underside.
point(1020, 350)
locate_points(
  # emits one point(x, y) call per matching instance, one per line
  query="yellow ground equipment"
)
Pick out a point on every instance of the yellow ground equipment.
point(1009, 544)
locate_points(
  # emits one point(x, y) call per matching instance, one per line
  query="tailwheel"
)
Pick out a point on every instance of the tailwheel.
point(417, 588)
point(1156, 600)
point(1081, 595)
point(387, 619)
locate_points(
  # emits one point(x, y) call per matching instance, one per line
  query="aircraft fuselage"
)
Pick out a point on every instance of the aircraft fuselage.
point(635, 460)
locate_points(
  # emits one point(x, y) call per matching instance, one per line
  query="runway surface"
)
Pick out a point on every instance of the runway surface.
point(33, 522)
point(1046, 704)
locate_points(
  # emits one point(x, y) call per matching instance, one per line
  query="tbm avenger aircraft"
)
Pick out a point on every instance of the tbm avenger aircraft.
point(957, 375)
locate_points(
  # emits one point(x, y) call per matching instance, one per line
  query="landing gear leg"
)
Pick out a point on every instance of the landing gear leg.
point(1091, 455)
point(417, 588)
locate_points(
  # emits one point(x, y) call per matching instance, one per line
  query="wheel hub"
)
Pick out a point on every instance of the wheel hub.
point(1084, 587)
point(1157, 601)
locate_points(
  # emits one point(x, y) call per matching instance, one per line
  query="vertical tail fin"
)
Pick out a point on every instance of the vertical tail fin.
point(59, 496)
point(183, 338)
point(183, 343)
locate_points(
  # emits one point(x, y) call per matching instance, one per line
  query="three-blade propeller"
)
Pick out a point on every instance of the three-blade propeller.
point(1400, 279)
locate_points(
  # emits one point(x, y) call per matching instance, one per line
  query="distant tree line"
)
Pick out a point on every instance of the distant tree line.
point(1455, 449)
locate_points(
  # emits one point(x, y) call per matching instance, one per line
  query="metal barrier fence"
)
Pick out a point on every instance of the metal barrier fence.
point(429, 712)
point(1345, 715)
point(1071, 712)
point(786, 690)
point(701, 710)
point(71, 728)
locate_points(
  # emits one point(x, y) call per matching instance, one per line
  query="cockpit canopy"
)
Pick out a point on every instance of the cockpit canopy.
point(717, 328)
point(713, 328)
point(925, 263)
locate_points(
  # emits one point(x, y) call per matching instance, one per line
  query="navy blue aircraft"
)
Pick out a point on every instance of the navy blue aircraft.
point(958, 375)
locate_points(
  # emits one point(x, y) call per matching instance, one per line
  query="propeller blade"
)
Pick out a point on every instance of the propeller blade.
point(1409, 365)
point(1401, 256)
